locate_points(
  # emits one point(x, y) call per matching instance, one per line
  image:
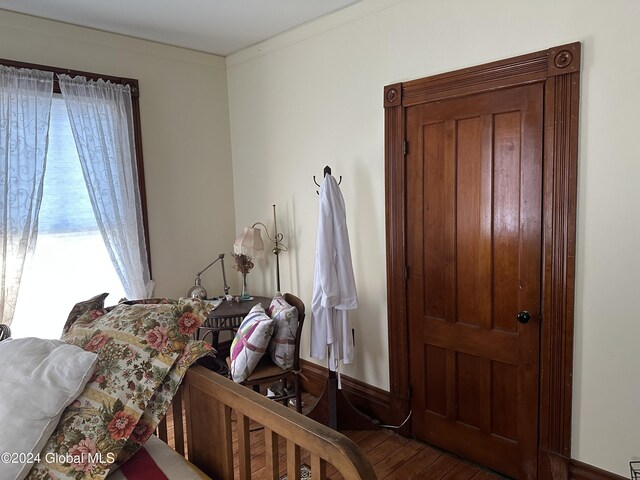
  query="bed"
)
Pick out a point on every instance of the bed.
point(213, 419)
point(213, 404)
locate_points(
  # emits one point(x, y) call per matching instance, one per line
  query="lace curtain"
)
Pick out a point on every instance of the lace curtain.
point(25, 103)
point(102, 123)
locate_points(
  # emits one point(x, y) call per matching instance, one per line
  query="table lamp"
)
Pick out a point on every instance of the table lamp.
point(198, 291)
point(250, 243)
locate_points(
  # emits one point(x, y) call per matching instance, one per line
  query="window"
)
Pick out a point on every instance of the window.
point(70, 262)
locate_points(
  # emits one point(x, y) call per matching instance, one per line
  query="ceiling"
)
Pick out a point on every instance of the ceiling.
point(220, 27)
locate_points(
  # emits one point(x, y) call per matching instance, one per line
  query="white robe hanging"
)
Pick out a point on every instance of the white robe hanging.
point(334, 286)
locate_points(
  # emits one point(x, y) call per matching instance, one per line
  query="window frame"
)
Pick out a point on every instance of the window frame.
point(137, 130)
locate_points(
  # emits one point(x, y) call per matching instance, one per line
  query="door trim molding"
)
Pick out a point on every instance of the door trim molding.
point(558, 69)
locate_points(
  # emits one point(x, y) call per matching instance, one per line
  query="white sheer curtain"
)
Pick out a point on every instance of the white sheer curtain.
point(25, 103)
point(101, 119)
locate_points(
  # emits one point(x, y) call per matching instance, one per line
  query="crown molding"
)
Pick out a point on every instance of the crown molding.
point(27, 23)
point(317, 27)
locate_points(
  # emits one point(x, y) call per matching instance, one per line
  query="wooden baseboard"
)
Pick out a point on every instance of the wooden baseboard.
point(388, 408)
point(373, 401)
point(583, 471)
point(552, 466)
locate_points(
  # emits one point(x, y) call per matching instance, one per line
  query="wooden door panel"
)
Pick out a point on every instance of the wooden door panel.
point(496, 345)
point(436, 256)
point(435, 365)
point(473, 250)
point(472, 196)
point(501, 454)
point(506, 209)
point(478, 400)
point(472, 383)
point(504, 414)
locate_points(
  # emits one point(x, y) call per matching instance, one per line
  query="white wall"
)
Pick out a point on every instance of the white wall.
point(185, 136)
point(313, 96)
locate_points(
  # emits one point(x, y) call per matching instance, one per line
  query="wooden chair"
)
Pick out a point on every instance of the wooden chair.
point(267, 372)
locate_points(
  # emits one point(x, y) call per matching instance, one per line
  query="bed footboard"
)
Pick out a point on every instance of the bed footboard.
point(209, 401)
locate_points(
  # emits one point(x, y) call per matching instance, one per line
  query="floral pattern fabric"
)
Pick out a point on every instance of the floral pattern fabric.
point(148, 301)
point(143, 350)
point(95, 308)
point(161, 400)
point(80, 308)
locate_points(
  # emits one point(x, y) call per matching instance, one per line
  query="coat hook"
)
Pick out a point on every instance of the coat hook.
point(327, 170)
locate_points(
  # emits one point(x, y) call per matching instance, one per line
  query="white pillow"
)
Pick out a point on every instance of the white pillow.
point(283, 342)
point(250, 343)
point(38, 380)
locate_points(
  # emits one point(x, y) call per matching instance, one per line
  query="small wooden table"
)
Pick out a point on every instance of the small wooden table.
point(227, 317)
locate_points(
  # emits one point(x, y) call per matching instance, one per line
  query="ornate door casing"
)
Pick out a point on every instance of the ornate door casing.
point(558, 70)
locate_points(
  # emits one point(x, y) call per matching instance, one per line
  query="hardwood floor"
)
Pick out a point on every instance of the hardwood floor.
point(393, 457)
point(399, 458)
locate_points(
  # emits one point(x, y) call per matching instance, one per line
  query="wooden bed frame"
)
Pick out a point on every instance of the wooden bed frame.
point(208, 399)
point(207, 403)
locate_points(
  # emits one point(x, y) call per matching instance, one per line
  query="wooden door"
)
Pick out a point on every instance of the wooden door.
point(474, 205)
